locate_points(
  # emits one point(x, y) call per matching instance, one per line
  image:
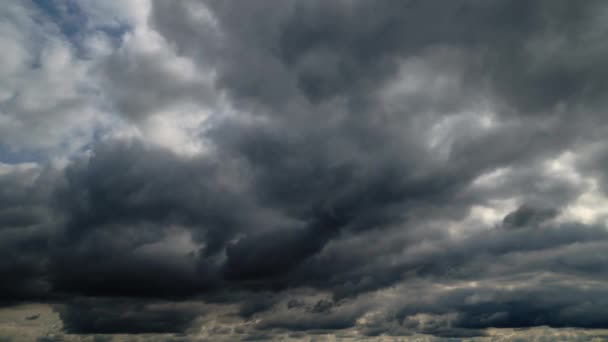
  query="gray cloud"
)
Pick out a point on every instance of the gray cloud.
point(420, 167)
point(112, 316)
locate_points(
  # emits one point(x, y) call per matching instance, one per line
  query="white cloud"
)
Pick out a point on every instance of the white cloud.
point(46, 96)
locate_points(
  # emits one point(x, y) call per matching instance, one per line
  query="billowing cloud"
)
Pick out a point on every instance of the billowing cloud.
point(294, 169)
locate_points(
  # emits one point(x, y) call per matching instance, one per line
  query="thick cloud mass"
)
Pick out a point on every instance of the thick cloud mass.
point(288, 168)
point(109, 317)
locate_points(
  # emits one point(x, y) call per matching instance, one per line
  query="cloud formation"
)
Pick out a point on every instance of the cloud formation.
point(273, 169)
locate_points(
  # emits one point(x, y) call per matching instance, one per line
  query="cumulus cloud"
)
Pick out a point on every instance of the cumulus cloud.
point(296, 169)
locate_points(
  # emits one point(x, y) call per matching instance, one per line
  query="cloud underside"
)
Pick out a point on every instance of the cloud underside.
point(305, 167)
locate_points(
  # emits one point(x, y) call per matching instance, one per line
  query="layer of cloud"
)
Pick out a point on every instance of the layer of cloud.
point(305, 168)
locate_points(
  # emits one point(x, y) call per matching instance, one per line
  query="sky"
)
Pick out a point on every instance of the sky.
point(303, 170)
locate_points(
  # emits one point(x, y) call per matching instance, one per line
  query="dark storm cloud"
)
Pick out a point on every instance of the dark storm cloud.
point(114, 316)
point(526, 216)
point(256, 257)
point(253, 199)
point(535, 54)
point(594, 163)
point(238, 203)
point(119, 214)
point(26, 222)
point(368, 145)
point(251, 261)
point(377, 262)
point(548, 304)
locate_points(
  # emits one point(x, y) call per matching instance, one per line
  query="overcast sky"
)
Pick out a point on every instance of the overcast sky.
point(303, 170)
